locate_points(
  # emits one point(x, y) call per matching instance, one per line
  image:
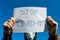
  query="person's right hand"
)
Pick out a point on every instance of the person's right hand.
point(8, 26)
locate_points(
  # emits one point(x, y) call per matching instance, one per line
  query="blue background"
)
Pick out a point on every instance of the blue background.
point(6, 11)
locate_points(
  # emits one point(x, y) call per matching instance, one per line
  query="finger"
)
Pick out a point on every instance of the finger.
point(9, 24)
point(50, 20)
point(10, 21)
point(55, 24)
point(13, 20)
point(6, 25)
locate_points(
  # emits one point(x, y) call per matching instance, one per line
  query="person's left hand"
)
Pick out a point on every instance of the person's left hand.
point(51, 25)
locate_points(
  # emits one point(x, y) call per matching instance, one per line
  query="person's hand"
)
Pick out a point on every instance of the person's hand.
point(8, 26)
point(51, 25)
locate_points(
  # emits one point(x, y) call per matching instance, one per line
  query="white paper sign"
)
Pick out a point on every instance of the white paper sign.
point(30, 19)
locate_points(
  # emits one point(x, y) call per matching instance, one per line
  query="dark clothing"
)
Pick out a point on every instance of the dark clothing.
point(9, 37)
point(52, 37)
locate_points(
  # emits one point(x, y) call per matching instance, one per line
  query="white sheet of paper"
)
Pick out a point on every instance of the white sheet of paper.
point(30, 19)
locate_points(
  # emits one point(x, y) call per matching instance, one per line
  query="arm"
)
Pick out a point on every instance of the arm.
point(7, 34)
point(52, 37)
point(52, 28)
